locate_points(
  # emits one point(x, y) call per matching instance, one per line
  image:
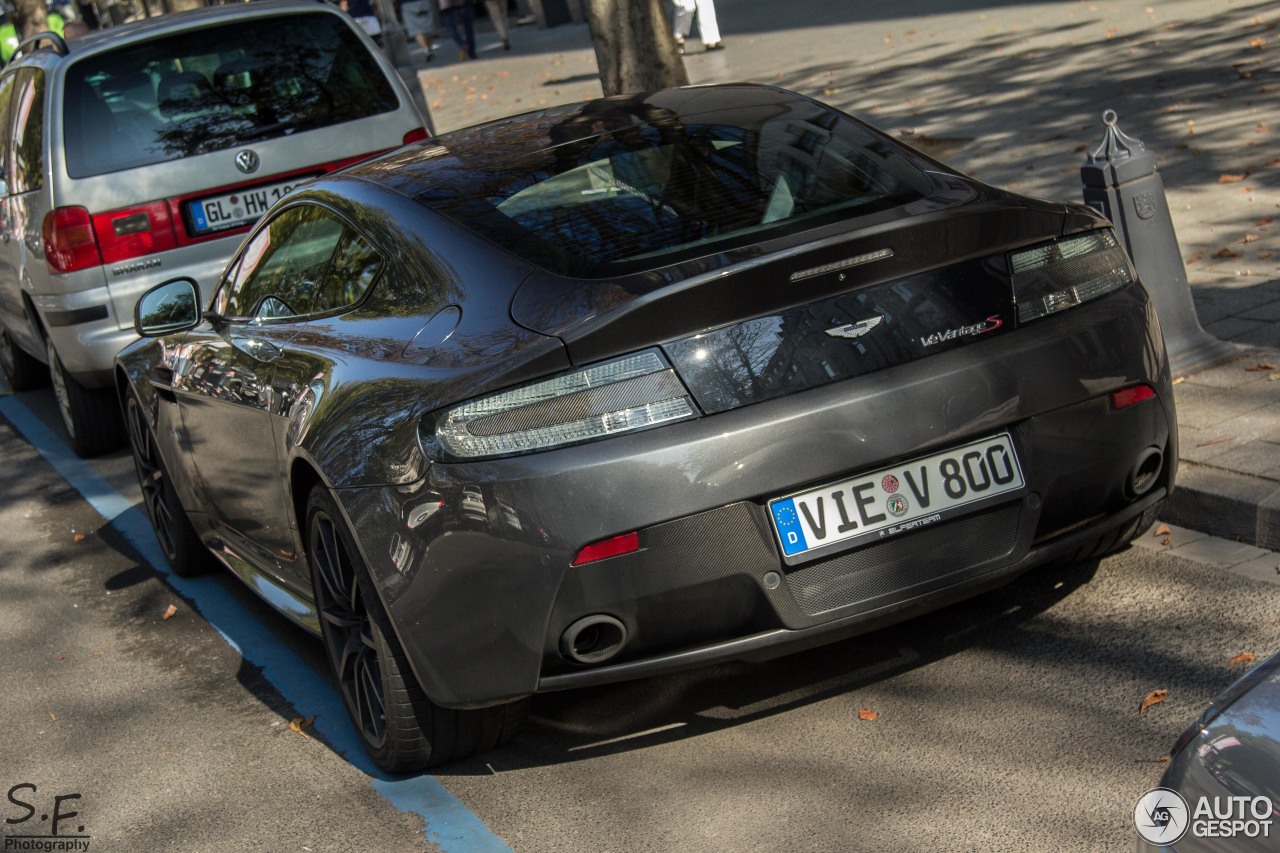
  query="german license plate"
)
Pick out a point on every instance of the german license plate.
point(234, 209)
point(899, 499)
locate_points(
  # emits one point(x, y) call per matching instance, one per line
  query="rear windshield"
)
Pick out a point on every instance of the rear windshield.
point(215, 88)
point(671, 188)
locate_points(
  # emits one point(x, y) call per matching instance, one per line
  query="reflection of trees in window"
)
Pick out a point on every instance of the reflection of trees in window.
point(28, 134)
point(221, 87)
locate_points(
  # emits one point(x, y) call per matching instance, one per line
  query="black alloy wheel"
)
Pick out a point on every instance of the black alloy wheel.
point(187, 556)
point(349, 631)
point(402, 729)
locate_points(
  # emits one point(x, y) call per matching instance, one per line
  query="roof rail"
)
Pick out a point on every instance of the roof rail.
point(59, 45)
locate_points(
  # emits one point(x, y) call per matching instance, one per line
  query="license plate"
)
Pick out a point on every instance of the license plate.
point(899, 499)
point(234, 209)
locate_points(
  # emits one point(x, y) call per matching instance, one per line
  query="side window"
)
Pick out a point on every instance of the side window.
point(28, 132)
point(7, 85)
point(305, 261)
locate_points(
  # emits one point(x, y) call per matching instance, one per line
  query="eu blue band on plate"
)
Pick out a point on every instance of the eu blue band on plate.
point(787, 521)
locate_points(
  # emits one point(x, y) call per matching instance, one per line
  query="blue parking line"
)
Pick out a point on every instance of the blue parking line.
point(449, 824)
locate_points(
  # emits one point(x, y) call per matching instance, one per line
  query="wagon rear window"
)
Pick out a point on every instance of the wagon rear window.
point(660, 191)
point(219, 87)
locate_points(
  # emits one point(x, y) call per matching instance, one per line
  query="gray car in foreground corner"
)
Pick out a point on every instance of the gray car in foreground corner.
point(1221, 791)
point(634, 385)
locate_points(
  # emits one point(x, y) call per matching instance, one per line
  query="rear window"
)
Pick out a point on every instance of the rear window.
point(661, 191)
point(215, 88)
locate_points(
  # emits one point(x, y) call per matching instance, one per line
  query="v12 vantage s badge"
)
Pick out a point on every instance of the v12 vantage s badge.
point(988, 325)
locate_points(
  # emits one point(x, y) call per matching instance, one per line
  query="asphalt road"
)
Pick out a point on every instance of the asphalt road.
point(1009, 722)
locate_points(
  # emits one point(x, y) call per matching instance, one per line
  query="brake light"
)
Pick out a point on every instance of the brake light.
point(69, 243)
point(614, 547)
point(416, 135)
point(132, 232)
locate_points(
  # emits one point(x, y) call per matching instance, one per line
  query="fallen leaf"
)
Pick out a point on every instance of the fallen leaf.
point(1273, 377)
point(169, 613)
point(1262, 256)
point(1166, 541)
point(1248, 238)
point(1228, 178)
point(53, 717)
point(79, 537)
point(1257, 43)
point(297, 724)
point(1224, 253)
point(1260, 367)
point(1179, 380)
point(1164, 759)
point(1243, 657)
point(1162, 530)
point(867, 714)
point(1264, 222)
point(1155, 697)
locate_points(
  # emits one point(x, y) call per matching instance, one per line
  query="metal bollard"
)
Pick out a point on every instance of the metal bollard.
point(1121, 182)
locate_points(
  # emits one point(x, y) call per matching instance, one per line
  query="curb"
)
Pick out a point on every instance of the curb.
point(1226, 504)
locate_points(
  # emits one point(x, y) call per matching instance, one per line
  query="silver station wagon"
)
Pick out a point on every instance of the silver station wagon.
point(145, 152)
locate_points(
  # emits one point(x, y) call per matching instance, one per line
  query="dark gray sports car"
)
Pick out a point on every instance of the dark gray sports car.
point(633, 385)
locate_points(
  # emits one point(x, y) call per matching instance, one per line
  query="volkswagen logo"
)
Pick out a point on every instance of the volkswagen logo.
point(247, 161)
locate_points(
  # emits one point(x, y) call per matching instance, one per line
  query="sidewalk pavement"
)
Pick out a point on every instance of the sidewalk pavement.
point(1012, 94)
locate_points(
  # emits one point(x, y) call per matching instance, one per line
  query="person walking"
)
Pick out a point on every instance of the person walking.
point(422, 23)
point(460, 17)
point(497, 11)
point(708, 28)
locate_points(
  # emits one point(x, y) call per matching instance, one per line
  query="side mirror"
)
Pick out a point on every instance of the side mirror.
point(166, 308)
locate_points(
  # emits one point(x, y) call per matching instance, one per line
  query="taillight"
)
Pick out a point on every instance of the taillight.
point(416, 135)
point(69, 243)
point(1055, 276)
point(74, 239)
point(627, 394)
point(134, 231)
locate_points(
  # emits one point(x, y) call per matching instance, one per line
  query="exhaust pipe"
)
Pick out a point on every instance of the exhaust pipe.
point(593, 639)
point(1145, 471)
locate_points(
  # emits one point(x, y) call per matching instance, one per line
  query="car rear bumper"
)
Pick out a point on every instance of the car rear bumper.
point(481, 605)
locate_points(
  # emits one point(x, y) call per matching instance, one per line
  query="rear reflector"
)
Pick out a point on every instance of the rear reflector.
point(69, 242)
point(1126, 397)
point(617, 546)
point(416, 135)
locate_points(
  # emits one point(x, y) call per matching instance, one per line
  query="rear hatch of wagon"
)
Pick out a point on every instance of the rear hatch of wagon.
point(175, 138)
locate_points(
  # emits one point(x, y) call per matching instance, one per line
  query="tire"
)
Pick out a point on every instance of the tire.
point(22, 370)
point(402, 730)
point(187, 555)
point(91, 415)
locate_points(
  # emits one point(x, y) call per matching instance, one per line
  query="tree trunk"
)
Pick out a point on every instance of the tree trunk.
point(29, 17)
point(635, 49)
